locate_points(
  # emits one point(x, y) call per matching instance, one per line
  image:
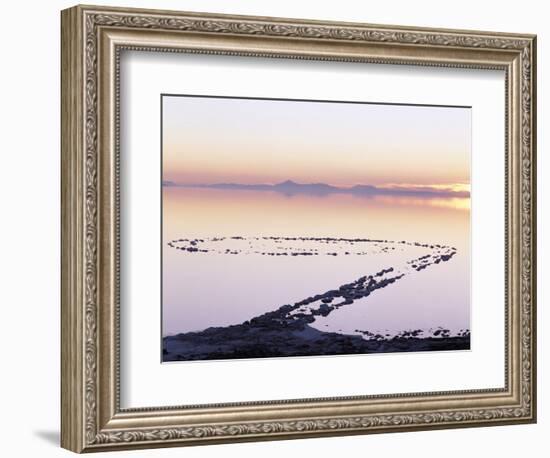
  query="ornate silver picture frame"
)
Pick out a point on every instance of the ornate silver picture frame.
point(93, 40)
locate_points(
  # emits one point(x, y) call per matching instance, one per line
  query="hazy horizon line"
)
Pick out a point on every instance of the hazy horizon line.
point(291, 187)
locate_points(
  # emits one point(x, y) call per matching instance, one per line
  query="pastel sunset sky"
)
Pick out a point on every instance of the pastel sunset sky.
point(250, 141)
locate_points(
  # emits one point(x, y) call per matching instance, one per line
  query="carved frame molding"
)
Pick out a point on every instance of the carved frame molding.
point(92, 39)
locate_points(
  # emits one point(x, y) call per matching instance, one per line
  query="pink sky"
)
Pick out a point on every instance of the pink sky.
point(214, 140)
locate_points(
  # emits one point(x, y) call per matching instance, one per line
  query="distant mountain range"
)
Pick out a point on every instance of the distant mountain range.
point(290, 187)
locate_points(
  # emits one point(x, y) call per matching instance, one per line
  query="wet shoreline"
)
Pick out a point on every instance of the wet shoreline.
point(253, 340)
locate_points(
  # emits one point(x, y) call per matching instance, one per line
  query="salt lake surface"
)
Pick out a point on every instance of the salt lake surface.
point(239, 271)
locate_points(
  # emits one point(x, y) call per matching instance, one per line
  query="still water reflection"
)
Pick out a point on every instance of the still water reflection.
point(201, 290)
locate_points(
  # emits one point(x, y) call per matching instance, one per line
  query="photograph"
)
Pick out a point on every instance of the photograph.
point(313, 227)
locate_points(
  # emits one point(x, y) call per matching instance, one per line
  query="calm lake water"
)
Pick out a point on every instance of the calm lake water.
point(201, 290)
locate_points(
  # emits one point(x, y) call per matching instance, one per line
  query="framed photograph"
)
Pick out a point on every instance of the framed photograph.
point(278, 228)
